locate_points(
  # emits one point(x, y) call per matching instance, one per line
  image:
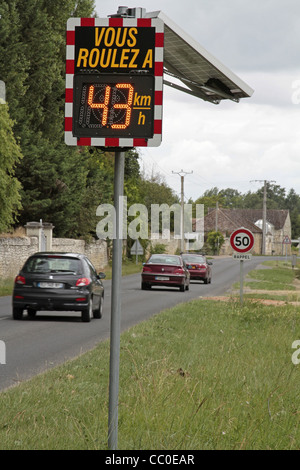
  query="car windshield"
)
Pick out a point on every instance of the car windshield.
point(53, 264)
point(193, 259)
point(160, 259)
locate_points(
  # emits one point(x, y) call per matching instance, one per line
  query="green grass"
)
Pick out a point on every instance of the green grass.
point(6, 286)
point(278, 278)
point(202, 375)
point(273, 276)
point(128, 267)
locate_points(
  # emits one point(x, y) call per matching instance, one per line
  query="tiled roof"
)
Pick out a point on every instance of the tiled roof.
point(231, 219)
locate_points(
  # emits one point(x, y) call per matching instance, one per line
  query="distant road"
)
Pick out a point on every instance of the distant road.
point(33, 346)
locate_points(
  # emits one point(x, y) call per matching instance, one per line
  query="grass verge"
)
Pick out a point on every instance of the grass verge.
point(202, 375)
point(6, 286)
point(272, 280)
point(128, 267)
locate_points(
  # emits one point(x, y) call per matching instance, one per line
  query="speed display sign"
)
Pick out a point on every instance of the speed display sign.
point(114, 82)
point(242, 240)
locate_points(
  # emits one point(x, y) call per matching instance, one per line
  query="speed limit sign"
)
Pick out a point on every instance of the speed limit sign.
point(242, 240)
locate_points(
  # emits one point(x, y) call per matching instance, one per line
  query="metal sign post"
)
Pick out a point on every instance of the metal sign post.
point(113, 100)
point(286, 241)
point(242, 241)
point(115, 327)
point(241, 281)
point(136, 250)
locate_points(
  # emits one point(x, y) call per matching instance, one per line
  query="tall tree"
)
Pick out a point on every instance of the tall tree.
point(32, 63)
point(10, 155)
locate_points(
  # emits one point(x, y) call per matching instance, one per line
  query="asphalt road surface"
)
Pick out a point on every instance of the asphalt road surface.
point(33, 346)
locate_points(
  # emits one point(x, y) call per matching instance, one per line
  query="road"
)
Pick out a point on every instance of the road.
point(33, 346)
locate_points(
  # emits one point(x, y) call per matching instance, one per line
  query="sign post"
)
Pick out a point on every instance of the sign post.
point(115, 327)
point(136, 250)
point(286, 241)
point(113, 100)
point(242, 241)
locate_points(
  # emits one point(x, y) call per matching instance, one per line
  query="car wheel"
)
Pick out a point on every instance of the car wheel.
point(87, 313)
point(17, 313)
point(31, 312)
point(145, 286)
point(205, 280)
point(98, 313)
point(182, 288)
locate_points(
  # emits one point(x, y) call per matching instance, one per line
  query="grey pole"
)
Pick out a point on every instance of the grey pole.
point(115, 327)
point(182, 175)
point(264, 219)
point(241, 280)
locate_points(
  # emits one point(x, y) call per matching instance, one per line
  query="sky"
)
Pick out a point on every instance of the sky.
point(232, 145)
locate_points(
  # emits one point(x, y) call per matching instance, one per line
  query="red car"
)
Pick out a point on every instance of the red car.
point(198, 266)
point(165, 270)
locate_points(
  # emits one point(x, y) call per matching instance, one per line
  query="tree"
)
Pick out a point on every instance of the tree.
point(210, 198)
point(292, 203)
point(231, 198)
point(32, 63)
point(154, 190)
point(10, 155)
point(215, 240)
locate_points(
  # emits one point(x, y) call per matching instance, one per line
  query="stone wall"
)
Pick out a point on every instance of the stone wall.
point(13, 253)
point(15, 250)
point(96, 251)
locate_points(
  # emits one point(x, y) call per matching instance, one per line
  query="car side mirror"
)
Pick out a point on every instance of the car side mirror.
point(101, 275)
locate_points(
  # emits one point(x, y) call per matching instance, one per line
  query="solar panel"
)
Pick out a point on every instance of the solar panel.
point(202, 74)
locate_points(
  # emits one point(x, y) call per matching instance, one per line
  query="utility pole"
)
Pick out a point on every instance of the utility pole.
point(264, 218)
point(182, 175)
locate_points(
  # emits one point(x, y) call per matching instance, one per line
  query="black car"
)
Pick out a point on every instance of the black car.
point(58, 282)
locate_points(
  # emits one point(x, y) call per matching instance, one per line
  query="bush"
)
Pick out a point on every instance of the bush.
point(159, 249)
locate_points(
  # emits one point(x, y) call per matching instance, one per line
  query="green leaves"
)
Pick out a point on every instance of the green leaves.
point(10, 155)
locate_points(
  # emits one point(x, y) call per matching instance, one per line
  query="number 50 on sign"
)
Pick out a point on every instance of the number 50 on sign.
point(242, 240)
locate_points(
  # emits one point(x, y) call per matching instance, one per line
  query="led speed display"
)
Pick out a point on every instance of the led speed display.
point(113, 105)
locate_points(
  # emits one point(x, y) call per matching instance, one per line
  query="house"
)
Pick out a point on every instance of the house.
point(278, 227)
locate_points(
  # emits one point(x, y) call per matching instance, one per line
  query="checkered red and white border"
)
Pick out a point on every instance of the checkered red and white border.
point(158, 72)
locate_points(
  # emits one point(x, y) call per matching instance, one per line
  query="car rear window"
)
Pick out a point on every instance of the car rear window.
point(158, 259)
point(193, 259)
point(44, 264)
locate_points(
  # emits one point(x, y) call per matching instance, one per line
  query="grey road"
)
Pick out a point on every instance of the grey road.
point(33, 346)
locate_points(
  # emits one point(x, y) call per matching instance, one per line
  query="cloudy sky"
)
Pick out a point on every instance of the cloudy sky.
point(231, 144)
